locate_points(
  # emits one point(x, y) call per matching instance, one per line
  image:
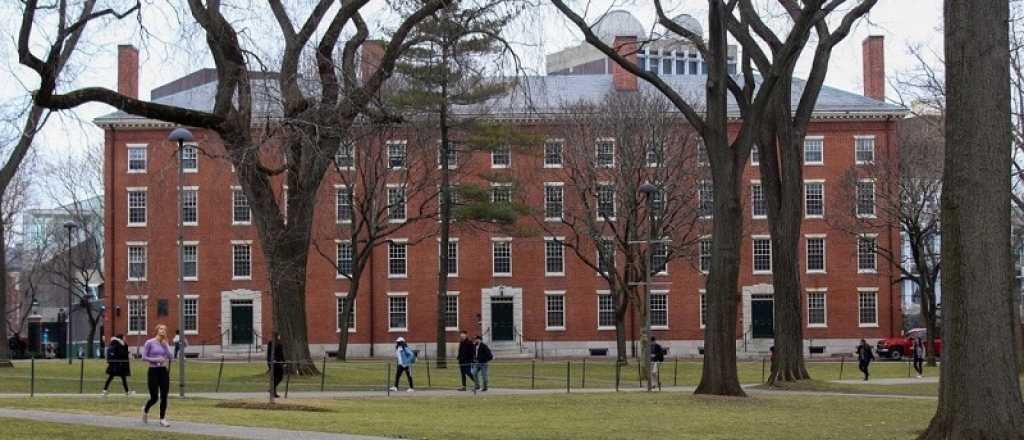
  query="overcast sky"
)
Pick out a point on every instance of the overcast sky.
point(167, 55)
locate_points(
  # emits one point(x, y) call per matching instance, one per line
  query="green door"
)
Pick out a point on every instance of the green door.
point(502, 324)
point(762, 318)
point(241, 322)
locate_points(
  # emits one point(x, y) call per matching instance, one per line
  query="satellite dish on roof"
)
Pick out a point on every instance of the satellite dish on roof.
point(689, 23)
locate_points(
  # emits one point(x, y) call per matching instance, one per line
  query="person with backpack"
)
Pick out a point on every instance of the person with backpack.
point(657, 357)
point(919, 354)
point(465, 359)
point(864, 356)
point(117, 364)
point(481, 356)
point(406, 357)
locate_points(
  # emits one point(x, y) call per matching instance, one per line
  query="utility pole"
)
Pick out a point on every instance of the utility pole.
point(181, 135)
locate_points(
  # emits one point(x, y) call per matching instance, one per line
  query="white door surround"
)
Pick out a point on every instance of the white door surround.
point(225, 314)
point(748, 292)
point(486, 294)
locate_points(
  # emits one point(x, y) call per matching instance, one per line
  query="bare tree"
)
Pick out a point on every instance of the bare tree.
point(977, 399)
point(313, 117)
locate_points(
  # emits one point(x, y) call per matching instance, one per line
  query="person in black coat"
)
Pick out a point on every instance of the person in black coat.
point(864, 356)
point(275, 360)
point(117, 363)
point(465, 359)
point(481, 356)
point(657, 357)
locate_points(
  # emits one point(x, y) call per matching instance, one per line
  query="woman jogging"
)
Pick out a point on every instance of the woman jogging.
point(158, 354)
point(117, 364)
point(865, 356)
point(406, 357)
point(919, 353)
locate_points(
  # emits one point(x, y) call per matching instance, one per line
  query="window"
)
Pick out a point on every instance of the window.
point(814, 150)
point(605, 202)
point(137, 316)
point(343, 258)
point(501, 257)
point(554, 257)
point(762, 255)
point(190, 310)
point(452, 257)
point(397, 267)
point(758, 208)
point(866, 253)
point(658, 203)
point(553, 201)
point(501, 157)
point(397, 310)
point(605, 153)
point(343, 204)
point(655, 154)
point(190, 206)
point(501, 193)
point(703, 309)
point(554, 311)
point(345, 157)
point(706, 199)
point(136, 207)
point(867, 303)
point(396, 154)
point(659, 310)
point(553, 154)
point(396, 204)
point(815, 254)
point(342, 301)
point(451, 312)
point(136, 262)
point(755, 155)
point(702, 154)
point(814, 199)
point(190, 158)
point(605, 311)
point(865, 198)
point(240, 212)
point(864, 148)
point(816, 309)
point(137, 160)
point(705, 255)
point(241, 258)
point(190, 261)
point(452, 157)
point(659, 258)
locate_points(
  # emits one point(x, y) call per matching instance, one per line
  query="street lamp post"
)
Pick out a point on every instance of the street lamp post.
point(649, 191)
point(181, 135)
point(70, 226)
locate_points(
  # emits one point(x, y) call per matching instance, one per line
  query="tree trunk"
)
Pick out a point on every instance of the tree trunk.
point(928, 316)
point(979, 390)
point(343, 335)
point(620, 330)
point(789, 342)
point(350, 302)
point(5, 355)
point(286, 262)
point(441, 334)
point(89, 345)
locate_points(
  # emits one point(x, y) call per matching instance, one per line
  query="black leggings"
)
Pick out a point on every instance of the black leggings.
point(398, 375)
point(159, 381)
point(110, 377)
point(919, 365)
point(864, 368)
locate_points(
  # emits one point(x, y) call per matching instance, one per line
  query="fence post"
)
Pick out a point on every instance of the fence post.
point(568, 375)
point(220, 374)
point(427, 361)
point(583, 384)
point(908, 368)
point(762, 370)
point(323, 374)
point(535, 349)
point(640, 372)
point(250, 352)
point(675, 373)
point(387, 380)
point(533, 373)
point(32, 381)
point(842, 362)
point(81, 375)
point(287, 379)
point(618, 369)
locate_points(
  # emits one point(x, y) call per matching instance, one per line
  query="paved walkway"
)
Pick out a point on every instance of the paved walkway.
point(901, 381)
point(239, 432)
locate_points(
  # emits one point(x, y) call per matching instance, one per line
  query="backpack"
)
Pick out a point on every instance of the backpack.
point(409, 356)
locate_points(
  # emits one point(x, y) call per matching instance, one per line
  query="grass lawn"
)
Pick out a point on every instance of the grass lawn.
point(565, 417)
point(912, 389)
point(19, 429)
point(54, 376)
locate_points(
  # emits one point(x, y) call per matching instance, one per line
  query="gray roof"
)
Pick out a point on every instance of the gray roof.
point(545, 95)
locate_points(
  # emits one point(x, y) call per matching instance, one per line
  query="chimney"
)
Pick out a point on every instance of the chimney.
point(373, 52)
point(128, 70)
point(874, 67)
point(621, 78)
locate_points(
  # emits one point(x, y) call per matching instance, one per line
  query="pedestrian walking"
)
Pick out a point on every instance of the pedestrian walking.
point(275, 361)
point(117, 364)
point(864, 356)
point(657, 357)
point(919, 354)
point(177, 343)
point(158, 354)
point(481, 356)
point(406, 357)
point(465, 359)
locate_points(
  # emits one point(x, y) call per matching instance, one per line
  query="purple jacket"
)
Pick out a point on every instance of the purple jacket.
point(156, 353)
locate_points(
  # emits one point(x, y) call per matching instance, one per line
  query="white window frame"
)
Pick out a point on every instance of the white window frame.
point(753, 213)
point(755, 149)
point(753, 254)
point(803, 151)
point(667, 308)
point(196, 277)
point(824, 307)
point(597, 152)
point(560, 242)
point(405, 203)
point(561, 202)
point(659, 149)
point(145, 260)
point(241, 243)
point(496, 185)
point(354, 321)
point(599, 260)
point(194, 189)
point(405, 296)
point(235, 222)
point(702, 307)
point(873, 291)
point(145, 206)
point(874, 198)
point(494, 260)
point(700, 254)
point(874, 254)
point(145, 314)
point(351, 204)
point(807, 183)
point(824, 253)
point(338, 154)
point(703, 159)
point(597, 205)
point(701, 184)
point(870, 137)
point(183, 314)
point(405, 243)
point(503, 148)
point(458, 307)
point(601, 293)
point(453, 149)
point(405, 153)
point(145, 157)
point(561, 153)
point(451, 241)
point(664, 245)
point(338, 275)
point(195, 147)
point(547, 310)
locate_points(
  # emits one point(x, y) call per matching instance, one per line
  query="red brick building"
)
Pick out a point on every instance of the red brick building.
point(500, 287)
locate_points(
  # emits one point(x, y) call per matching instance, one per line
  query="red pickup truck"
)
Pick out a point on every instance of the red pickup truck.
point(896, 347)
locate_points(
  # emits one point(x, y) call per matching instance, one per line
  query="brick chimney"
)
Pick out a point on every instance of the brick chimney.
point(128, 70)
point(372, 53)
point(621, 78)
point(874, 66)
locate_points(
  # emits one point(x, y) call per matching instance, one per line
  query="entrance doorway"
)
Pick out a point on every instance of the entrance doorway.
point(762, 311)
point(241, 322)
point(502, 319)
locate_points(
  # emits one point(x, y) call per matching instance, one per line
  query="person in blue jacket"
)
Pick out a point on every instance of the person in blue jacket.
point(406, 357)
